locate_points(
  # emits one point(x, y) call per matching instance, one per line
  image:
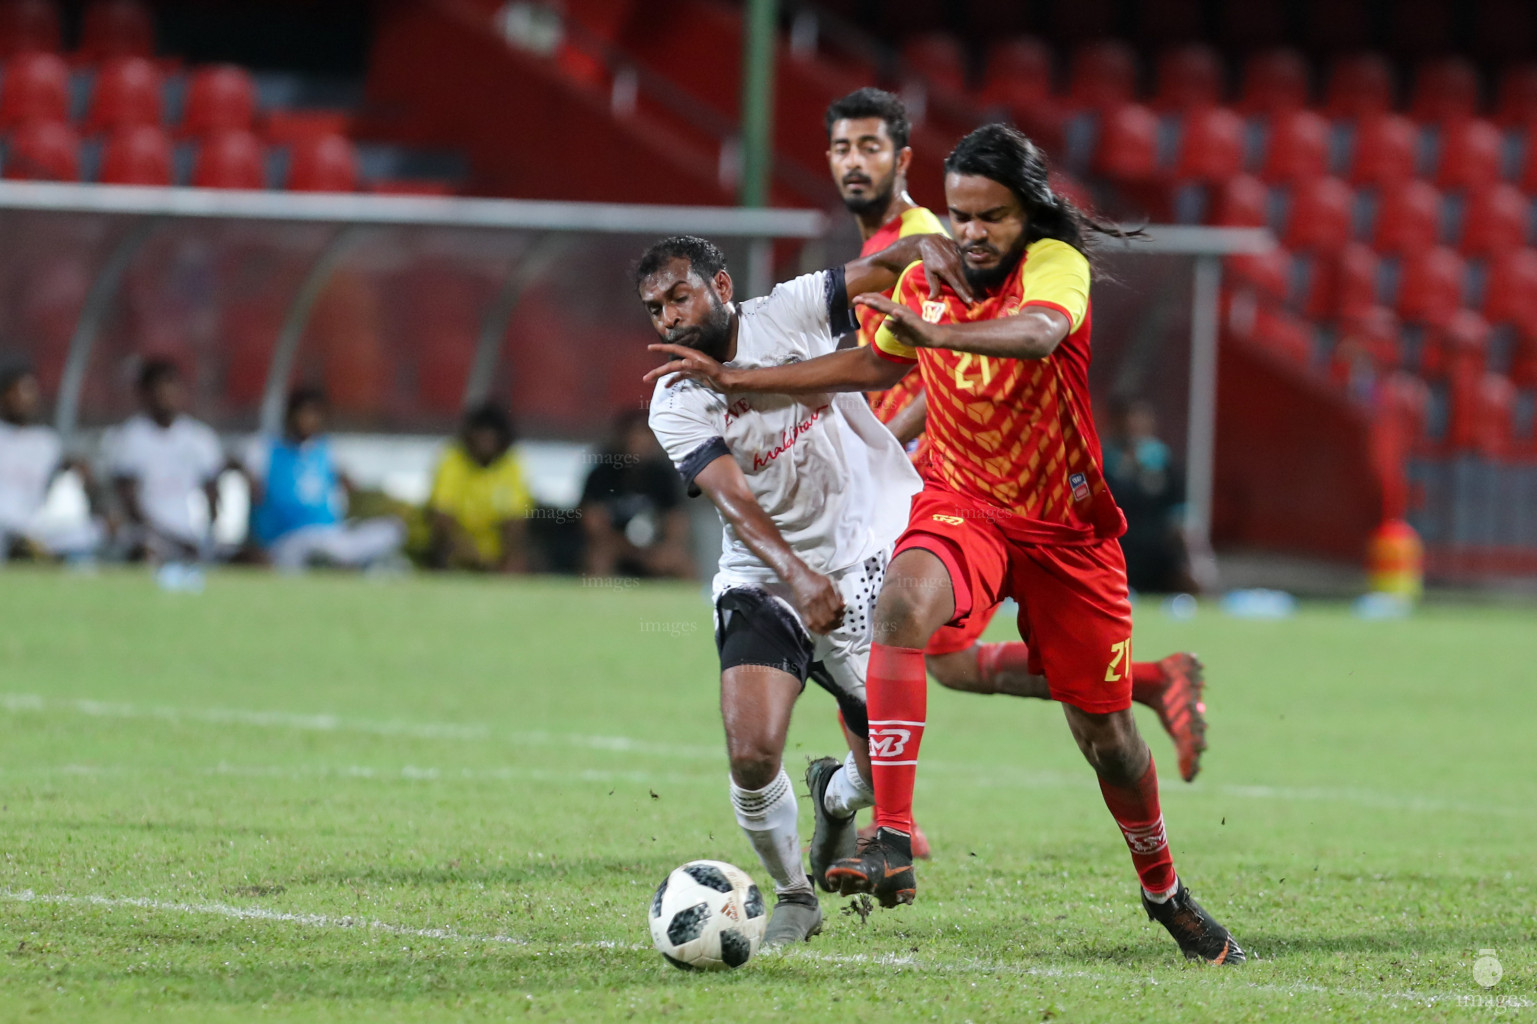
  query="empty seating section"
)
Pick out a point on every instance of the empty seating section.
point(1402, 194)
point(112, 110)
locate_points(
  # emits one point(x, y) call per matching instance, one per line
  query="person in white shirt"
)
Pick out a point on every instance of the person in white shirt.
point(812, 492)
point(165, 468)
point(31, 458)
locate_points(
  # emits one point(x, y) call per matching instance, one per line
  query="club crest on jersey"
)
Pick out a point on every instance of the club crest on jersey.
point(933, 311)
point(1080, 485)
point(952, 520)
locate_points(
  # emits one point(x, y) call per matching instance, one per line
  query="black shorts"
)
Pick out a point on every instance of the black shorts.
point(754, 627)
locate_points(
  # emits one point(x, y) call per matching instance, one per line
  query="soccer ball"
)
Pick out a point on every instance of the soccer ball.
point(707, 916)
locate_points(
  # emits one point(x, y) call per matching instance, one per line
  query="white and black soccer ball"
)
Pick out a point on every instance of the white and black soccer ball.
point(707, 916)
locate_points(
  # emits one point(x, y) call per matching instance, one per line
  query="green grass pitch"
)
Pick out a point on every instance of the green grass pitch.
point(333, 799)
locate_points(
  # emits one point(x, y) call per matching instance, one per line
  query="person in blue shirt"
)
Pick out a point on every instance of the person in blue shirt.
point(299, 497)
point(1150, 489)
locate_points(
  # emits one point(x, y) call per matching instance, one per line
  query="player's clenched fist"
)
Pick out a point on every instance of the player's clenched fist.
point(821, 605)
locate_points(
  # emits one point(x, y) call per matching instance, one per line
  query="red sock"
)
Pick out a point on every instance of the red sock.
point(898, 692)
point(1136, 810)
point(995, 658)
point(1146, 682)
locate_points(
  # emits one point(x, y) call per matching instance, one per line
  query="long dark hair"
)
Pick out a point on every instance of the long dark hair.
point(1007, 156)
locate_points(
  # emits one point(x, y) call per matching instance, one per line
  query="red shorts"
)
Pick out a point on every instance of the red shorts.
point(1074, 608)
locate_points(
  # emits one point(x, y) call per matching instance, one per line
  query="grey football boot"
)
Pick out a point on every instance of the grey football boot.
point(832, 838)
point(797, 917)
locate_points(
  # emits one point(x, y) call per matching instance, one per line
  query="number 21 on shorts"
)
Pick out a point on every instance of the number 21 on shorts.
point(1120, 661)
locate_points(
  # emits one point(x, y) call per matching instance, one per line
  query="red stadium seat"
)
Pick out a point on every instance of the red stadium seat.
point(1493, 416)
point(1284, 335)
point(230, 160)
point(117, 28)
point(1408, 217)
point(1103, 76)
point(1244, 203)
point(1495, 219)
point(1445, 89)
point(1128, 144)
point(1470, 154)
point(1211, 148)
point(28, 26)
point(1430, 285)
point(1189, 78)
point(137, 155)
point(1274, 82)
point(43, 151)
point(1510, 296)
point(36, 88)
point(1360, 86)
point(1319, 217)
point(1385, 151)
point(1344, 283)
point(1516, 106)
point(1018, 73)
point(1268, 273)
point(127, 92)
point(219, 99)
point(1297, 147)
point(326, 163)
point(939, 58)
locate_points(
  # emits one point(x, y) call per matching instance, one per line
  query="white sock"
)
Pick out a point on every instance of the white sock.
point(1162, 897)
point(847, 791)
point(768, 816)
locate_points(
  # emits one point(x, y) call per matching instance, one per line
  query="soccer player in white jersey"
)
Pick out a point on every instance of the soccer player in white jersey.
point(164, 464)
point(812, 492)
point(31, 457)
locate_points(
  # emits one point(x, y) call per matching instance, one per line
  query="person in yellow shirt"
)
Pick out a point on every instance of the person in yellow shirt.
point(480, 505)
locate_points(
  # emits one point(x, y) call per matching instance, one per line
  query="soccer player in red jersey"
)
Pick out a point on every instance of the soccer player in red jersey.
point(1014, 505)
point(868, 154)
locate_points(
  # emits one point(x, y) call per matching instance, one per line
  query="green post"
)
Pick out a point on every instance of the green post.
point(757, 101)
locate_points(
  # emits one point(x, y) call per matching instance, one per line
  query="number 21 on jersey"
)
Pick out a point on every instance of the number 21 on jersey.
point(972, 370)
point(1120, 661)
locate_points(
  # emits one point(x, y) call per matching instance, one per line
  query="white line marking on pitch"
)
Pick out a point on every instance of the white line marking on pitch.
point(968, 966)
point(985, 775)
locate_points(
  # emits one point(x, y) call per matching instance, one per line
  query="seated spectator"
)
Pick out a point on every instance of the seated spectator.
point(1151, 491)
point(31, 457)
point(632, 508)
point(479, 505)
point(161, 462)
point(299, 496)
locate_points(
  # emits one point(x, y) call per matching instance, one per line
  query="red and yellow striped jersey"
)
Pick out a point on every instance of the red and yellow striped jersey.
point(1017, 434)
point(916, 220)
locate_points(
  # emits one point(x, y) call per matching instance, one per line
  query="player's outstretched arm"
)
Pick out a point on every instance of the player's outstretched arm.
point(879, 271)
point(851, 369)
point(1033, 333)
point(817, 599)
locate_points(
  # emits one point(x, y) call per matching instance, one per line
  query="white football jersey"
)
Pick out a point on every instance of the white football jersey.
point(827, 472)
point(171, 465)
point(29, 457)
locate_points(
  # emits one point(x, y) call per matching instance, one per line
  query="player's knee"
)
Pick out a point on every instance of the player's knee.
point(1111, 745)
point(906, 615)
point(753, 765)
